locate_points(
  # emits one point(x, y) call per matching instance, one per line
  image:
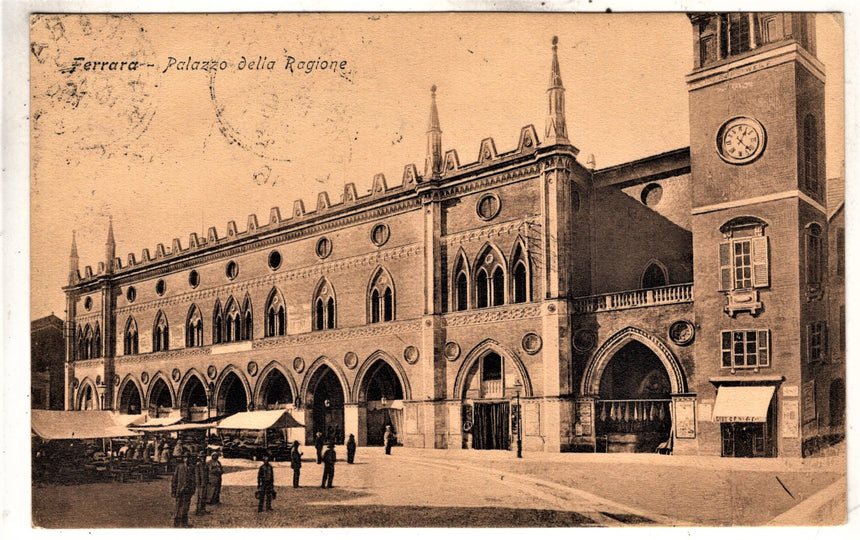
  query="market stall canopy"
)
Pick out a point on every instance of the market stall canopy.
point(173, 418)
point(174, 427)
point(260, 420)
point(129, 419)
point(742, 403)
point(50, 425)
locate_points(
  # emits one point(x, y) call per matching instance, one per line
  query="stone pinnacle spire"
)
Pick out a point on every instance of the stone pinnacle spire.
point(110, 247)
point(556, 127)
point(73, 261)
point(433, 163)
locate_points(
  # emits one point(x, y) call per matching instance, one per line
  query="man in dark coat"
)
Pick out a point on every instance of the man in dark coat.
point(319, 443)
point(265, 484)
point(329, 457)
point(216, 471)
point(201, 476)
point(296, 463)
point(350, 449)
point(182, 488)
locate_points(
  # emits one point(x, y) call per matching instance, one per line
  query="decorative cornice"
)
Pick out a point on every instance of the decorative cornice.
point(315, 270)
point(163, 355)
point(521, 226)
point(484, 182)
point(91, 363)
point(500, 314)
point(328, 336)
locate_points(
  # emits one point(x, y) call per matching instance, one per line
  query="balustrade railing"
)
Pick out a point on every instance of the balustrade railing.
point(671, 294)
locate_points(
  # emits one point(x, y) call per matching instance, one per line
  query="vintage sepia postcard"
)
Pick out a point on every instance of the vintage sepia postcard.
point(314, 270)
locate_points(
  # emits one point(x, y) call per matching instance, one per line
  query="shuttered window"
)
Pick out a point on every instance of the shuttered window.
point(745, 349)
point(744, 263)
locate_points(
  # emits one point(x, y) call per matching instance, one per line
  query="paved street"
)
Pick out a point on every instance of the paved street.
point(427, 488)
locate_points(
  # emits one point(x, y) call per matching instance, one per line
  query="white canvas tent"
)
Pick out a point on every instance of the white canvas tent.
point(279, 419)
point(54, 425)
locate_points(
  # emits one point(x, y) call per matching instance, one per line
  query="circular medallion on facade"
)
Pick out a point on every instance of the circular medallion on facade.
point(212, 372)
point(488, 206)
point(176, 374)
point(232, 270)
point(551, 308)
point(379, 234)
point(532, 343)
point(160, 287)
point(116, 379)
point(194, 279)
point(451, 351)
point(350, 360)
point(252, 368)
point(144, 377)
point(651, 195)
point(298, 364)
point(682, 332)
point(131, 294)
point(323, 248)
point(88, 303)
point(584, 340)
point(75, 382)
point(98, 379)
point(275, 260)
point(411, 354)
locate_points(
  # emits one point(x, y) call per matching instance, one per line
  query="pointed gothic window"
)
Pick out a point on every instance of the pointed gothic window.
point(381, 301)
point(489, 279)
point(194, 328)
point(97, 343)
point(129, 343)
point(160, 334)
point(232, 322)
point(814, 258)
point(460, 292)
point(248, 331)
point(325, 316)
point(521, 276)
point(482, 298)
point(654, 276)
point(87, 345)
point(217, 323)
point(275, 315)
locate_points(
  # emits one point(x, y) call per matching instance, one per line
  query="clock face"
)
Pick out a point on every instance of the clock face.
point(740, 140)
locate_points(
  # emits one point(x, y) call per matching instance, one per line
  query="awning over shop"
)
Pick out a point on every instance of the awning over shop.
point(173, 427)
point(742, 403)
point(260, 420)
point(50, 425)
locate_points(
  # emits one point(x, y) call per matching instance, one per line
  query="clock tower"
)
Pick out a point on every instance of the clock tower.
point(759, 229)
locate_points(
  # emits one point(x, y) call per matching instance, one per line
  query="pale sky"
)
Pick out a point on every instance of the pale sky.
point(158, 153)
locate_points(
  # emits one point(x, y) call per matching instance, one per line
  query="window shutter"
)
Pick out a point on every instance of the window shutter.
point(764, 347)
point(725, 266)
point(760, 261)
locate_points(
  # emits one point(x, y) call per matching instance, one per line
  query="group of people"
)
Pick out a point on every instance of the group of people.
point(195, 475)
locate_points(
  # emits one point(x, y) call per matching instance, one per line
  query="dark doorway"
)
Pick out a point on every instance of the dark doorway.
point(129, 400)
point(328, 400)
point(745, 440)
point(194, 401)
point(160, 400)
point(275, 390)
point(233, 398)
point(382, 387)
point(491, 429)
point(837, 404)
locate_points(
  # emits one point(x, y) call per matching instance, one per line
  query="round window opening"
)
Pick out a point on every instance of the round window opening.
point(488, 206)
point(131, 294)
point(323, 248)
point(274, 260)
point(88, 303)
point(160, 287)
point(232, 270)
point(651, 195)
point(379, 234)
point(194, 279)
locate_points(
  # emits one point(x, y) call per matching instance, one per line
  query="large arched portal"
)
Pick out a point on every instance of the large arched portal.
point(129, 399)
point(274, 392)
point(232, 397)
point(193, 401)
point(87, 398)
point(327, 395)
point(160, 399)
point(383, 395)
point(634, 405)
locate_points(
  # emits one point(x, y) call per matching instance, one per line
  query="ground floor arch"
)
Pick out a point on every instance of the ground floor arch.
point(160, 401)
point(232, 396)
point(326, 398)
point(130, 401)
point(87, 397)
point(381, 391)
point(274, 391)
point(193, 399)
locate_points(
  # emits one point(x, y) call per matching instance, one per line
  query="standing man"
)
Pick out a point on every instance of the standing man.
point(389, 439)
point(216, 471)
point(265, 484)
point(318, 443)
point(328, 466)
point(350, 449)
point(296, 463)
point(201, 476)
point(182, 488)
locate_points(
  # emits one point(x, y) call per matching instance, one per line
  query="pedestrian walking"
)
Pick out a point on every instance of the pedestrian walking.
point(350, 449)
point(201, 476)
point(319, 443)
point(328, 466)
point(389, 439)
point(265, 484)
point(216, 471)
point(182, 488)
point(296, 463)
